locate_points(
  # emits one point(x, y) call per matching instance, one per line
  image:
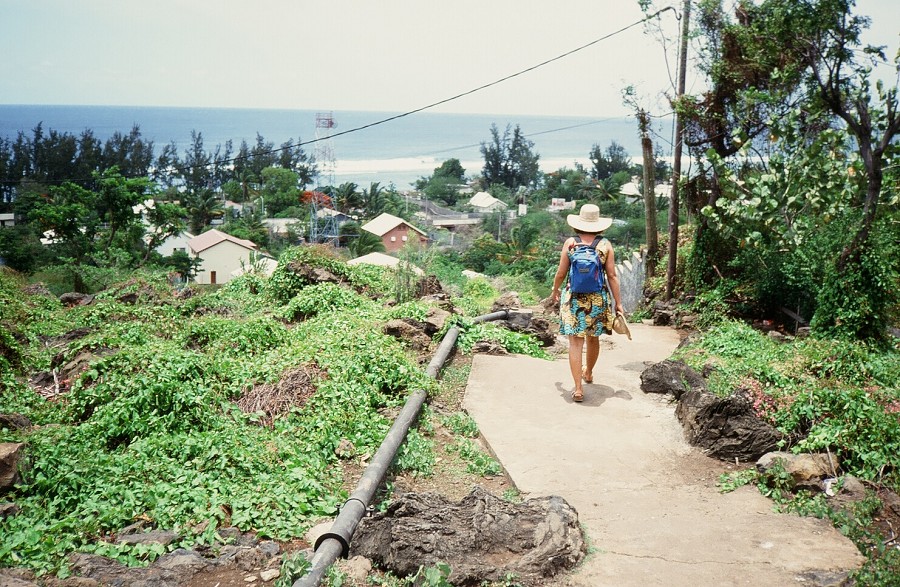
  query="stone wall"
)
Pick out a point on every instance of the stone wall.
point(631, 280)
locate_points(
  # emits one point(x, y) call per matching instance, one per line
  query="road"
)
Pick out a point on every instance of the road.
point(647, 500)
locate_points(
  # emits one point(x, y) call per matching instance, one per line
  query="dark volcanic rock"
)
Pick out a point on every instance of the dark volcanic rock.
point(482, 537)
point(726, 428)
point(673, 377)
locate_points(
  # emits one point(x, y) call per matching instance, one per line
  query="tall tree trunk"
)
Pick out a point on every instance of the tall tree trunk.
point(676, 163)
point(649, 195)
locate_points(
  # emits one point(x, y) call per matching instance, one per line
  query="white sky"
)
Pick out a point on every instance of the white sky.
point(378, 55)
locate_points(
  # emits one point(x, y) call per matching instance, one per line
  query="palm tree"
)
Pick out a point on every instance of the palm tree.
point(346, 197)
point(202, 207)
point(373, 200)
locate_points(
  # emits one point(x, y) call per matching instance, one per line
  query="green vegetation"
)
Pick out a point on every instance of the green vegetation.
point(150, 419)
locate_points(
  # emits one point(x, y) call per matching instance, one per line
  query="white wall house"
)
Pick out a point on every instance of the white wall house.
point(485, 202)
point(176, 242)
point(221, 254)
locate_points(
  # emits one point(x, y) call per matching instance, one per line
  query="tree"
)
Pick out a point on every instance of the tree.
point(130, 153)
point(451, 169)
point(347, 197)
point(116, 199)
point(67, 217)
point(509, 160)
point(358, 241)
point(165, 220)
point(202, 207)
point(280, 190)
point(605, 163)
point(788, 72)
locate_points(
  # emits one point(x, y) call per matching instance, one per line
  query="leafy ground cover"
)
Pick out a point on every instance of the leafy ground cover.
point(142, 417)
point(824, 395)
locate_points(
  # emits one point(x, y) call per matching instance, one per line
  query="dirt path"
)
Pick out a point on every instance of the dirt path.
point(648, 501)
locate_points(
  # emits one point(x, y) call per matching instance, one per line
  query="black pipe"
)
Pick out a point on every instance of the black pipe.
point(336, 543)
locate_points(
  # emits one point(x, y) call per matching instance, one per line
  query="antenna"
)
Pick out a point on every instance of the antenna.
point(323, 221)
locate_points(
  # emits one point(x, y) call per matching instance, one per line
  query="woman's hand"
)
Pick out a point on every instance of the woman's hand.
point(556, 295)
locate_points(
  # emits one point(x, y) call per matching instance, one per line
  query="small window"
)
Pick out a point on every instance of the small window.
point(405, 238)
point(393, 239)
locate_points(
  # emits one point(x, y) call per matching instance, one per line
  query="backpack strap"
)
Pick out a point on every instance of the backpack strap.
point(593, 244)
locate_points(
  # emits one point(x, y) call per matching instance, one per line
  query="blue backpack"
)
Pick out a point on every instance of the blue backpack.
point(585, 272)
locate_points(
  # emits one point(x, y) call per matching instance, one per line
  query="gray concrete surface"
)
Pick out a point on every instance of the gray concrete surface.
point(648, 501)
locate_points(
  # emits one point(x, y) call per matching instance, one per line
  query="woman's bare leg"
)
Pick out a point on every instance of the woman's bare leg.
point(576, 344)
point(593, 353)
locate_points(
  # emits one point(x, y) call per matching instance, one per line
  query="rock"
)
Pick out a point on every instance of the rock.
point(489, 347)
point(357, 569)
point(807, 470)
point(345, 449)
point(270, 574)
point(10, 455)
point(409, 331)
point(269, 548)
point(775, 335)
point(14, 422)
point(312, 274)
point(726, 428)
point(183, 561)
point(163, 537)
point(314, 533)
point(663, 318)
point(825, 578)
point(435, 320)
point(673, 377)
point(803, 332)
point(76, 299)
point(526, 322)
point(428, 286)
point(8, 509)
point(687, 321)
point(17, 578)
point(441, 300)
point(482, 538)
point(507, 300)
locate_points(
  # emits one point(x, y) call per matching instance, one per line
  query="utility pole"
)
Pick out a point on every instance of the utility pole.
point(649, 196)
point(679, 142)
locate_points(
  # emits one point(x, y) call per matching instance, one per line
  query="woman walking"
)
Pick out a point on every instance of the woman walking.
point(584, 316)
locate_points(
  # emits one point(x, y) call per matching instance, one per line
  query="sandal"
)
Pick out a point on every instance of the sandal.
point(577, 395)
point(585, 378)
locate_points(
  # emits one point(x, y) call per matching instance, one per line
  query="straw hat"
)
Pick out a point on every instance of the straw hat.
point(589, 220)
point(620, 326)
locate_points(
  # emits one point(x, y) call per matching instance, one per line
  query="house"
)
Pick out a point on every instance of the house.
point(485, 202)
point(280, 227)
point(394, 232)
point(383, 260)
point(221, 254)
point(176, 242)
point(7, 220)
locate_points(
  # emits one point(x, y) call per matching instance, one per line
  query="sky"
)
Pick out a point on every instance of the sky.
point(370, 55)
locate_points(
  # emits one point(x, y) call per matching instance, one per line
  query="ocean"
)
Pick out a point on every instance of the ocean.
point(395, 152)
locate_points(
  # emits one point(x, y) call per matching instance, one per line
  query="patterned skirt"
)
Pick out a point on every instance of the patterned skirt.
point(585, 314)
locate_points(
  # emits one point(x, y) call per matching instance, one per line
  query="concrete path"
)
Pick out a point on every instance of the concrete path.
point(648, 501)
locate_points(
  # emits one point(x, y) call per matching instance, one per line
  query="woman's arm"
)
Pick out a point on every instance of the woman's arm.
point(613, 279)
point(561, 270)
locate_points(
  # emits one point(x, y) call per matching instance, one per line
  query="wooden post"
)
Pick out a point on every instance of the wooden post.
point(676, 164)
point(649, 195)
